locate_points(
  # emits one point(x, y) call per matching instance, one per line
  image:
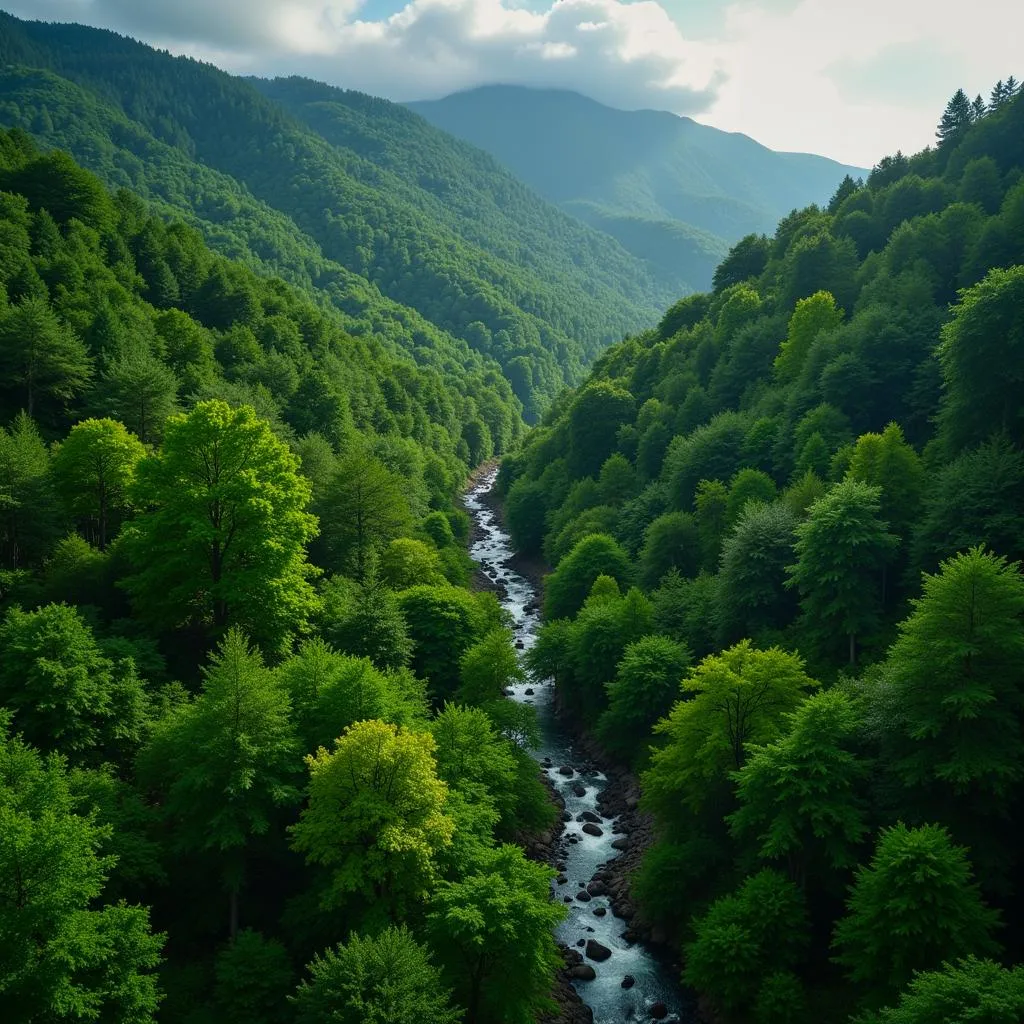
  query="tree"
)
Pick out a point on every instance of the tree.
point(672, 541)
point(986, 330)
point(957, 671)
point(594, 418)
point(799, 796)
point(253, 980)
point(28, 512)
point(812, 316)
point(958, 116)
point(914, 906)
point(488, 668)
point(841, 549)
point(648, 681)
point(730, 700)
point(746, 486)
point(492, 933)
point(226, 761)
point(370, 624)
point(746, 260)
point(222, 539)
point(710, 505)
point(383, 979)
point(40, 354)
point(64, 693)
point(138, 390)
point(617, 481)
point(752, 578)
point(407, 563)
point(65, 953)
point(364, 507)
point(443, 623)
point(744, 938)
point(887, 462)
point(93, 472)
point(964, 992)
point(567, 587)
point(376, 816)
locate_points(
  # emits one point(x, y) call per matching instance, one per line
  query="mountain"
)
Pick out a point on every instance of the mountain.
point(672, 191)
point(404, 228)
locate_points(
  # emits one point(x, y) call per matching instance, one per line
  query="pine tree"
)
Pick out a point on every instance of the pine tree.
point(979, 108)
point(956, 119)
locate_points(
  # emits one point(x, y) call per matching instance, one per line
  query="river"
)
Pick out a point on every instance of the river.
point(580, 853)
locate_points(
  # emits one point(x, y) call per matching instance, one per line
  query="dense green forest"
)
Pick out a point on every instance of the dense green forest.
point(803, 496)
point(256, 763)
point(674, 192)
point(401, 226)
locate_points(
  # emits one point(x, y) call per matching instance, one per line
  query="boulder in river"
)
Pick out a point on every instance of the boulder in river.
point(583, 972)
point(628, 981)
point(597, 951)
point(566, 771)
point(583, 896)
point(597, 888)
point(659, 1011)
point(600, 911)
point(593, 830)
point(621, 843)
point(528, 691)
point(579, 789)
point(590, 816)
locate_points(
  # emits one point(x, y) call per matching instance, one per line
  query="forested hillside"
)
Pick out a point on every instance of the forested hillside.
point(803, 495)
point(672, 191)
point(338, 191)
point(256, 764)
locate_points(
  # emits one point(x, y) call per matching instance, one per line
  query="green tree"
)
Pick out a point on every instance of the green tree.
point(813, 316)
point(913, 907)
point(648, 681)
point(40, 355)
point(28, 512)
point(138, 390)
point(93, 472)
point(253, 979)
point(986, 331)
point(567, 587)
point(672, 541)
point(594, 419)
point(617, 481)
point(364, 507)
point(488, 668)
point(799, 796)
point(226, 761)
point(65, 954)
point(752, 592)
point(745, 937)
point(746, 486)
point(382, 979)
point(222, 539)
point(958, 116)
point(964, 992)
point(710, 509)
point(408, 563)
point(65, 694)
point(376, 816)
point(730, 700)
point(886, 461)
point(369, 624)
point(957, 671)
point(841, 548)
point(492, 933)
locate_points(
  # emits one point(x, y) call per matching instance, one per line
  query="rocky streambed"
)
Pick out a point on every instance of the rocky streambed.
point(612, 974)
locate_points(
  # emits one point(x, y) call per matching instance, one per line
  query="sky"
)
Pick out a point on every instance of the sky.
point(853, 81)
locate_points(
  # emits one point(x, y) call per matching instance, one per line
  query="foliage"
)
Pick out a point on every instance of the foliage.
point(568, 586)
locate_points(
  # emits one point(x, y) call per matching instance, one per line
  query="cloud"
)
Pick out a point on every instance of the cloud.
point(628, 54)
point(854, 82)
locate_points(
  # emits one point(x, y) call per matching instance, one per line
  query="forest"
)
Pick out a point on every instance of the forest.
point(785, 532)
point(257, 762)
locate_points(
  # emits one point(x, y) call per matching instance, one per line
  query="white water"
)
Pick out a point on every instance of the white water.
point(655, 982)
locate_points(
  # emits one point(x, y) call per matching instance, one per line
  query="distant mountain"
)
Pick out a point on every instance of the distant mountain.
point(408, 231)
point(672, 191)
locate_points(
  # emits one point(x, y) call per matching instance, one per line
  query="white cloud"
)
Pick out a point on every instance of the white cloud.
point(852, 81)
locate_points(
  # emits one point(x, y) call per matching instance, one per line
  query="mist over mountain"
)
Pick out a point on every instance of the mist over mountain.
point(671, 190)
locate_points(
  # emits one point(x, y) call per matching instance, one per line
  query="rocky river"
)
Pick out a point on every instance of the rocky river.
point(617, 976)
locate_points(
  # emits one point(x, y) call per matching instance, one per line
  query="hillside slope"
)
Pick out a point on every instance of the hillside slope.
point(525, 284)
point(644, 176)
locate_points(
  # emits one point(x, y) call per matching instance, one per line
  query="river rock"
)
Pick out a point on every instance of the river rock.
point(528, 691)
point(561, 879)
point(579, 789)
point(583, 972)
point(566, 771)
point(520, 645)
point(600, 911)
point(622, 843)
point(628, 981)
point(593, 830)
point(583, 896)
point(659, 1011)
point(597, 888)
point(590, 816)
point(581, 942)
point(597, 951)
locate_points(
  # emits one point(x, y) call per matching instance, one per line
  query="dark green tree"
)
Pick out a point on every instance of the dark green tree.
point(567, 587)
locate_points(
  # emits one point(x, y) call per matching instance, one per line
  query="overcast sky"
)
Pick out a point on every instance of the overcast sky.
point(851, 80)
